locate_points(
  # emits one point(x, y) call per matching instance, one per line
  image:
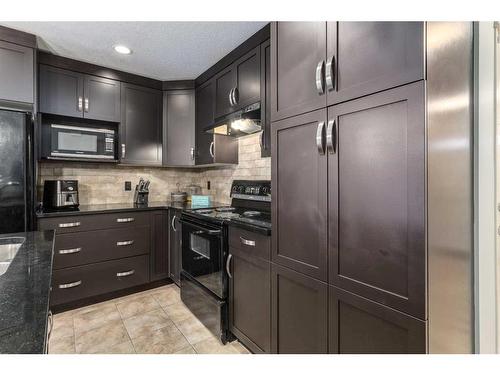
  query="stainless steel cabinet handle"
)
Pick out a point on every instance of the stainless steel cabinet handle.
point(123, 150)
point(228, 265)
point(70, 251)
point(124, 219)
point(80, 104)
point(192, 153)
point(231, 97)
point(330, 73)
point(319, 137)
point(331, 136)
point(126, 273)
point(320, 82)
point(70, 285)
point(212, 149)
point(70, 225)
point(124, 243)
point(172, 224)
point(235, 96)
point(86, 104)
point(244, 241)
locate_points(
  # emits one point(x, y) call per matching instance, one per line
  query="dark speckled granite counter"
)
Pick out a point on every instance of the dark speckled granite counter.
point(119, 207)
point(24, 295)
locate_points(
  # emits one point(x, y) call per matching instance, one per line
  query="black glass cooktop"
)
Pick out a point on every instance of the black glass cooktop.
point(235, 214)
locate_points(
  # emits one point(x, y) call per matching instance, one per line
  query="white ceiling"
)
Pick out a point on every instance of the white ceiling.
point(161, 50)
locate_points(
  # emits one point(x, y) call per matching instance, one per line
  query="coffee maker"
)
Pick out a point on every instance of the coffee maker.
point(60, 194)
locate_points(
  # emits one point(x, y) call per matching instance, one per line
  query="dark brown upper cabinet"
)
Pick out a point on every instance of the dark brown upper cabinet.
point(265, 95)
point(250, 300)
point(179, 128)
point(360, 326)
point(238, 85)
point(140, 128)
point(376, 150)
point(17, 73)
point(367, 57)
point(205, 107)
point(67, 93)
point(299, 313)
point(298, 52)
point(299, 207)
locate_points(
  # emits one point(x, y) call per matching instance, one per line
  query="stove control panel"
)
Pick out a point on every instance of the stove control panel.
point(259, 190)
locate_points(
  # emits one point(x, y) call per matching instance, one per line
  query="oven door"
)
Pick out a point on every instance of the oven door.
point(81, 142)
point(202, 255)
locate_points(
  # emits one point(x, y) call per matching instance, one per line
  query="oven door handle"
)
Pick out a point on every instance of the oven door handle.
point(201, 229)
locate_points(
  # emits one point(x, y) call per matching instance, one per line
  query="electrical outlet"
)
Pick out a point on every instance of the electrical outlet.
point(208, 185)
point(128, 186)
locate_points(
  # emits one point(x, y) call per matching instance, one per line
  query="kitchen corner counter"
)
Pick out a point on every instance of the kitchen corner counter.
point(122, 207)
point(24, 294)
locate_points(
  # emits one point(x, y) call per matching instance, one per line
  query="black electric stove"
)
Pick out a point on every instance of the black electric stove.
point(204, 278)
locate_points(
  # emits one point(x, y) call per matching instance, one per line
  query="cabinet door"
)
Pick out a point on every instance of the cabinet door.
point(265, 98)
point(159, 253)
point(377, 198)
point(174, 248)
point(299, 207)
point(225, 82)
point(16, 73)
point(297, 48)
point(61, 92)
point(179, 127)
point(250, 300)
point(299, 313)
point(205, 106)
point(360, 326)
point(247, 70)
point(140, 128)
point(101, 99)
point(373, 56)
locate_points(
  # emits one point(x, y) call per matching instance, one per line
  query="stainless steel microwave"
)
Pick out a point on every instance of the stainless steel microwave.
point(76, 142)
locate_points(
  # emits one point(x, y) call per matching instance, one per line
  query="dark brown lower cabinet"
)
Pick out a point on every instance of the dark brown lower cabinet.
point(159, 249)
point(360, 326)
point(250, 300)
point(299, 313)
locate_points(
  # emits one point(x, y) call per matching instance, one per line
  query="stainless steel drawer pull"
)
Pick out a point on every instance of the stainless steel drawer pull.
point(125, 220)
point(244, 241)
point(228, 266)
point(126, 273)
point(70, 285)
point(70, 225)
point(124, 243)
point(70, 251)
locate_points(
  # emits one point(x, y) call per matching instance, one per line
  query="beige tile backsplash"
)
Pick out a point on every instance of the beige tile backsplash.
point(102, 183)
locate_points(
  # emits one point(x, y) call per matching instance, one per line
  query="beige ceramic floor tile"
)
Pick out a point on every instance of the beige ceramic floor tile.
point(122, 348)
point(139, 305)
point(63, 326)
point(102, 338)
point(186, 350)
point(145, 324)
point(178, 312)
point(166, 340)
point(62, 345)
point(239, 347)
point(214, 346)
point(167, 296)
point(193, 330)
point(91, 318)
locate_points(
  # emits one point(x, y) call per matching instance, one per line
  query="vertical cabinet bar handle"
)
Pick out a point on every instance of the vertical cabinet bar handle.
point(320, 82)
point(172, 223)
point(228, 265)
point(231, 97)
point(235, 96)
point(86, 104)
point(330, 73)
point(80, 104)
point(192, 153)
point(320, 138)
point(331, 136)
point(123, 150)
point(212, 149)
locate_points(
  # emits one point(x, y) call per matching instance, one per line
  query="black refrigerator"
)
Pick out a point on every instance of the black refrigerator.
point(16, 172)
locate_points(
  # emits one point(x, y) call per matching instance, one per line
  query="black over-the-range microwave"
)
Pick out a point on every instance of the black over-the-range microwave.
point(61, 141)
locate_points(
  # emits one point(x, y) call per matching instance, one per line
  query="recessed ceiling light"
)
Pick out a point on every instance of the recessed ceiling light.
point(122, 49)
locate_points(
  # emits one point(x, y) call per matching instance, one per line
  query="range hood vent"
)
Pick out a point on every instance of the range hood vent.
point(239, 123)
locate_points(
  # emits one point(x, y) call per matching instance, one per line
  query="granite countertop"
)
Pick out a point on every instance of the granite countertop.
point(24, 294)
point(118, 207)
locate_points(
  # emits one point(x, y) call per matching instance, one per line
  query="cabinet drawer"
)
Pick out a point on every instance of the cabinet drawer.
point(76, 249)
point(250, 242)
point(82, 223)
point(75, 283)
